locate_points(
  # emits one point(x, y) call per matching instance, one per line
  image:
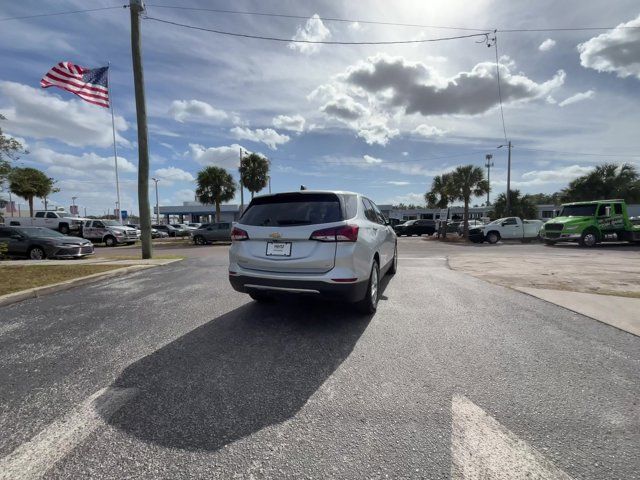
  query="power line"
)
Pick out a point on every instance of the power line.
point(324, 19)
point(375, 22)
point(321, 42)
point(69, 12)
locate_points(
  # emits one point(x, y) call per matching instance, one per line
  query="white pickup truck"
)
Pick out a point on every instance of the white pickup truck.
point(509, 228)
point(56, 220)
point(109, 232)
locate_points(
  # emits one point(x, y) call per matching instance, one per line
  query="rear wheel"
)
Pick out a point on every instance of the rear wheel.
point(549, 242)
point(199, 240)
point(37, 253)
point(369, 303)
point(110, 241)
point(261, 297)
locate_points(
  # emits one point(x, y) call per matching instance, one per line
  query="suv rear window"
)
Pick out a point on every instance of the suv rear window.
point(291, 209)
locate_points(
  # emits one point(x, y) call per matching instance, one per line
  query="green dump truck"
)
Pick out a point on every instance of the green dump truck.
point(589, 223)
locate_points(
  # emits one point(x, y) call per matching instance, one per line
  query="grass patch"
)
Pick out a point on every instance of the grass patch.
point(21, 277)
point(139, 257)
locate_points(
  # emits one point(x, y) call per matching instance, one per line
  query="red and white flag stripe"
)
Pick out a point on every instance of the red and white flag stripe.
point(89, 84)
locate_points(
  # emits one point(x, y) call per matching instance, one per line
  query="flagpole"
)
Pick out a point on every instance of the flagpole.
point(115, 149)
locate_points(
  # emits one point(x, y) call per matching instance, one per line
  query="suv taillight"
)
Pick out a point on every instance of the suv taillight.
point(344, 233)
point(237, 234)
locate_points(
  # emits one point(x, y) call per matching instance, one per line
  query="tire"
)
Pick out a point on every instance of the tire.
point(588, 239)
point(549, 242)
point(493, 237)
point(393, 268)
point(199, 240)
point(369, 304)
point(37, 253)
point(110, 241)
point(261, 297)
point(63, 229)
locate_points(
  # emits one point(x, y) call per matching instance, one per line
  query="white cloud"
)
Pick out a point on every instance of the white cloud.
point(397, 183)
point(617, 51)
point(559, 175)
point(87, 164)
point(42, 114)
point(578, 97)
point(547, 45)
point(226, 157)
point(405, 154)
point(344, 107)
point(173, 174)
point(314, 30)
point(428, 131)
point(293, 123)
point(407, 199)
point(268, 136)
point(369, 160)
point(184, 195)
point(182, 110)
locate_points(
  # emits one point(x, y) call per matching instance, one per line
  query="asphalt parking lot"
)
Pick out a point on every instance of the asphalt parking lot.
point(169, 373)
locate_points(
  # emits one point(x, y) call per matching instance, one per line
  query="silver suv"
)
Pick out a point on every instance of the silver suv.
point(335, 244)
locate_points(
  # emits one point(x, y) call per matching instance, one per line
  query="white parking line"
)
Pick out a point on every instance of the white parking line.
point(32, 459)
point(481, 448)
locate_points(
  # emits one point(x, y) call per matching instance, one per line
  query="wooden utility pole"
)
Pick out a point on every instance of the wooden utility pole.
point(509, 180)
point(137, 7)
point(241, 185)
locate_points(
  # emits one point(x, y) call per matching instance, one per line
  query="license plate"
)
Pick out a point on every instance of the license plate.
point(279, 249)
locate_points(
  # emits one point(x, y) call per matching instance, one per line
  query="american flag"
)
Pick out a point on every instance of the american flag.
point(90, 84)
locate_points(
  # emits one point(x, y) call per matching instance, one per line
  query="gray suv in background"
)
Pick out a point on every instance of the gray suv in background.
point(334, 244)
point(211, 232)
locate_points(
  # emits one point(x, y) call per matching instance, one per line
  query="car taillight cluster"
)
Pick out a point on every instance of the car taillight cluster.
point(237, 234)
point(343, 233)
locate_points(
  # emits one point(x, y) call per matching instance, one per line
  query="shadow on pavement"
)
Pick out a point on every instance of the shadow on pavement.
point(237, 374)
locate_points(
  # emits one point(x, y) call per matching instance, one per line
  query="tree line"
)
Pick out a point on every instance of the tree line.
point(608, 180)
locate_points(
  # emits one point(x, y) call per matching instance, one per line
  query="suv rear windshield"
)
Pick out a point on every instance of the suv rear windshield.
point(291, 209)
point(588, 210)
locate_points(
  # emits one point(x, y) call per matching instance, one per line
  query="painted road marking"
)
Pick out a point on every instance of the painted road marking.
point(32, 459)
point(481, 448)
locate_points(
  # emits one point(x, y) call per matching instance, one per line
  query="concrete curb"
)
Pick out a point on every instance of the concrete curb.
point(607, 309)
point(67, 284)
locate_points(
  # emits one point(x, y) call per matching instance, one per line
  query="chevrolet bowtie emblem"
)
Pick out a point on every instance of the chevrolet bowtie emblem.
point(275, 235)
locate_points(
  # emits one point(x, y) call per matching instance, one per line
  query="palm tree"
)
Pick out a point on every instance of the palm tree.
point(254, 172)
point(29, 183)
point(520, 205)
point(439, 195)
point(608, 180)
point(215, 185)
point(467, 181)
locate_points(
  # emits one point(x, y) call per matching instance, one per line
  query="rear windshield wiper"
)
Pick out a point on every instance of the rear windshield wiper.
point(294, 222)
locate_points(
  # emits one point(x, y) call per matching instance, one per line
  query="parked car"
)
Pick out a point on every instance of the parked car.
point(416, 227)
point(136, 227)
point(334, 244)
point(169, 230)
point(508, 228)
point(472, 223)
point(194, 225)
point(182, 229)
point(212, 232)
point(590, 223)
point(109, 232)
point(38, 243)
point(155, 233)
point(61, 221)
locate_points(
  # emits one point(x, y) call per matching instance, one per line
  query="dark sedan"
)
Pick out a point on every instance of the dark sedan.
point(416, 227)
point(38, 243)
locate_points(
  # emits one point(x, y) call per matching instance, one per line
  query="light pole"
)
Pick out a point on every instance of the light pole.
point(508, 176)
point(489, 164)
point(73, 205)
point(156, 180)
point(241, 185)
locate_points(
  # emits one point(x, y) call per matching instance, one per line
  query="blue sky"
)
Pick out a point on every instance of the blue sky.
point(382, 120)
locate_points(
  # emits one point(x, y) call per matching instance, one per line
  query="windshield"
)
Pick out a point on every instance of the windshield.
point(587, 210)
point(495, 222)
point(111, 223)
point(293, 209)
point(40, 232)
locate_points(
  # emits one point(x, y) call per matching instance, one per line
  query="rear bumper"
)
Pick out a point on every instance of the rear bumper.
point(350, 292)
